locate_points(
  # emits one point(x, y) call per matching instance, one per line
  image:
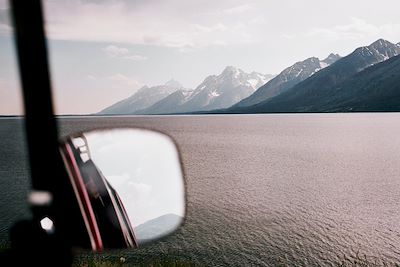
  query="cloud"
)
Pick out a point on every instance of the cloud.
point(115, 51)
point(91, 77)
point(259, 20)
point(135, 57)
point(123, 80)
point(238, 9)
point(123, 53)
point(143, 191)
point(356, 29)
point(191, 26)
point(288, 36)
point(205, 29)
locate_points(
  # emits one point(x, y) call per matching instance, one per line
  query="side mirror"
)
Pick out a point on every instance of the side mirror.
point(128, 184)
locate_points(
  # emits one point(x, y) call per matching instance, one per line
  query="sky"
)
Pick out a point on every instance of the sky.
point(102, 51)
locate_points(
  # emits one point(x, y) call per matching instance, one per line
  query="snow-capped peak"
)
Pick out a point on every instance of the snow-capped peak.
point(304, 69)
point(225, 89)
point(381, 42)
point(381, 50)
point(232, 71)
point(331, 59)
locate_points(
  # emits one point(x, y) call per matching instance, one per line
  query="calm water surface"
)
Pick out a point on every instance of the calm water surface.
point(262, 189)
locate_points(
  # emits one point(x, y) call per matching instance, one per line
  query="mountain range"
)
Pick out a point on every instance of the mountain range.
point(364, 80)
point(156, 228)
point(311, 94)
point(215, 92)
point(377, 88)
point(288, 78)
point(143, 98)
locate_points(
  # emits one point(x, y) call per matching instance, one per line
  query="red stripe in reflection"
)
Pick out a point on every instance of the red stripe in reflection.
point(84, 201)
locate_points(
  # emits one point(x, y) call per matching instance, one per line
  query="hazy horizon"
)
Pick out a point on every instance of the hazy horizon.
point(104, 51)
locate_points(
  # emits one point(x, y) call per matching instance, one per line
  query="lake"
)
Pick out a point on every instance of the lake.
point(262, 190)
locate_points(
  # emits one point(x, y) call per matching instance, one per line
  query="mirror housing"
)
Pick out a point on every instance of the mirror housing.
point(128, 184)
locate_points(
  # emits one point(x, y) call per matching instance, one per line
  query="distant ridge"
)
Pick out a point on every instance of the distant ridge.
point(288, 78)
point(377, 88)
point(306, 96)
point(216, 91)
point(311, 85)
point(143, 98)
point(157, 227)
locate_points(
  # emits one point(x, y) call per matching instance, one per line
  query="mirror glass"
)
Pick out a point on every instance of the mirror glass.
point(129, 185)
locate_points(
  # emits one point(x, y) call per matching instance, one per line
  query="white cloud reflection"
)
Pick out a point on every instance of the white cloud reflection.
point(144, 168)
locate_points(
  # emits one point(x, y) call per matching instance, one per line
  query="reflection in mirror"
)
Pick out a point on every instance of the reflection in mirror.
point(128, 183)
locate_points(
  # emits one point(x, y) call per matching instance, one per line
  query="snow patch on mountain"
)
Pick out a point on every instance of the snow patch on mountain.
point(253, 83)
point(288, 78)
point(215, 92)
